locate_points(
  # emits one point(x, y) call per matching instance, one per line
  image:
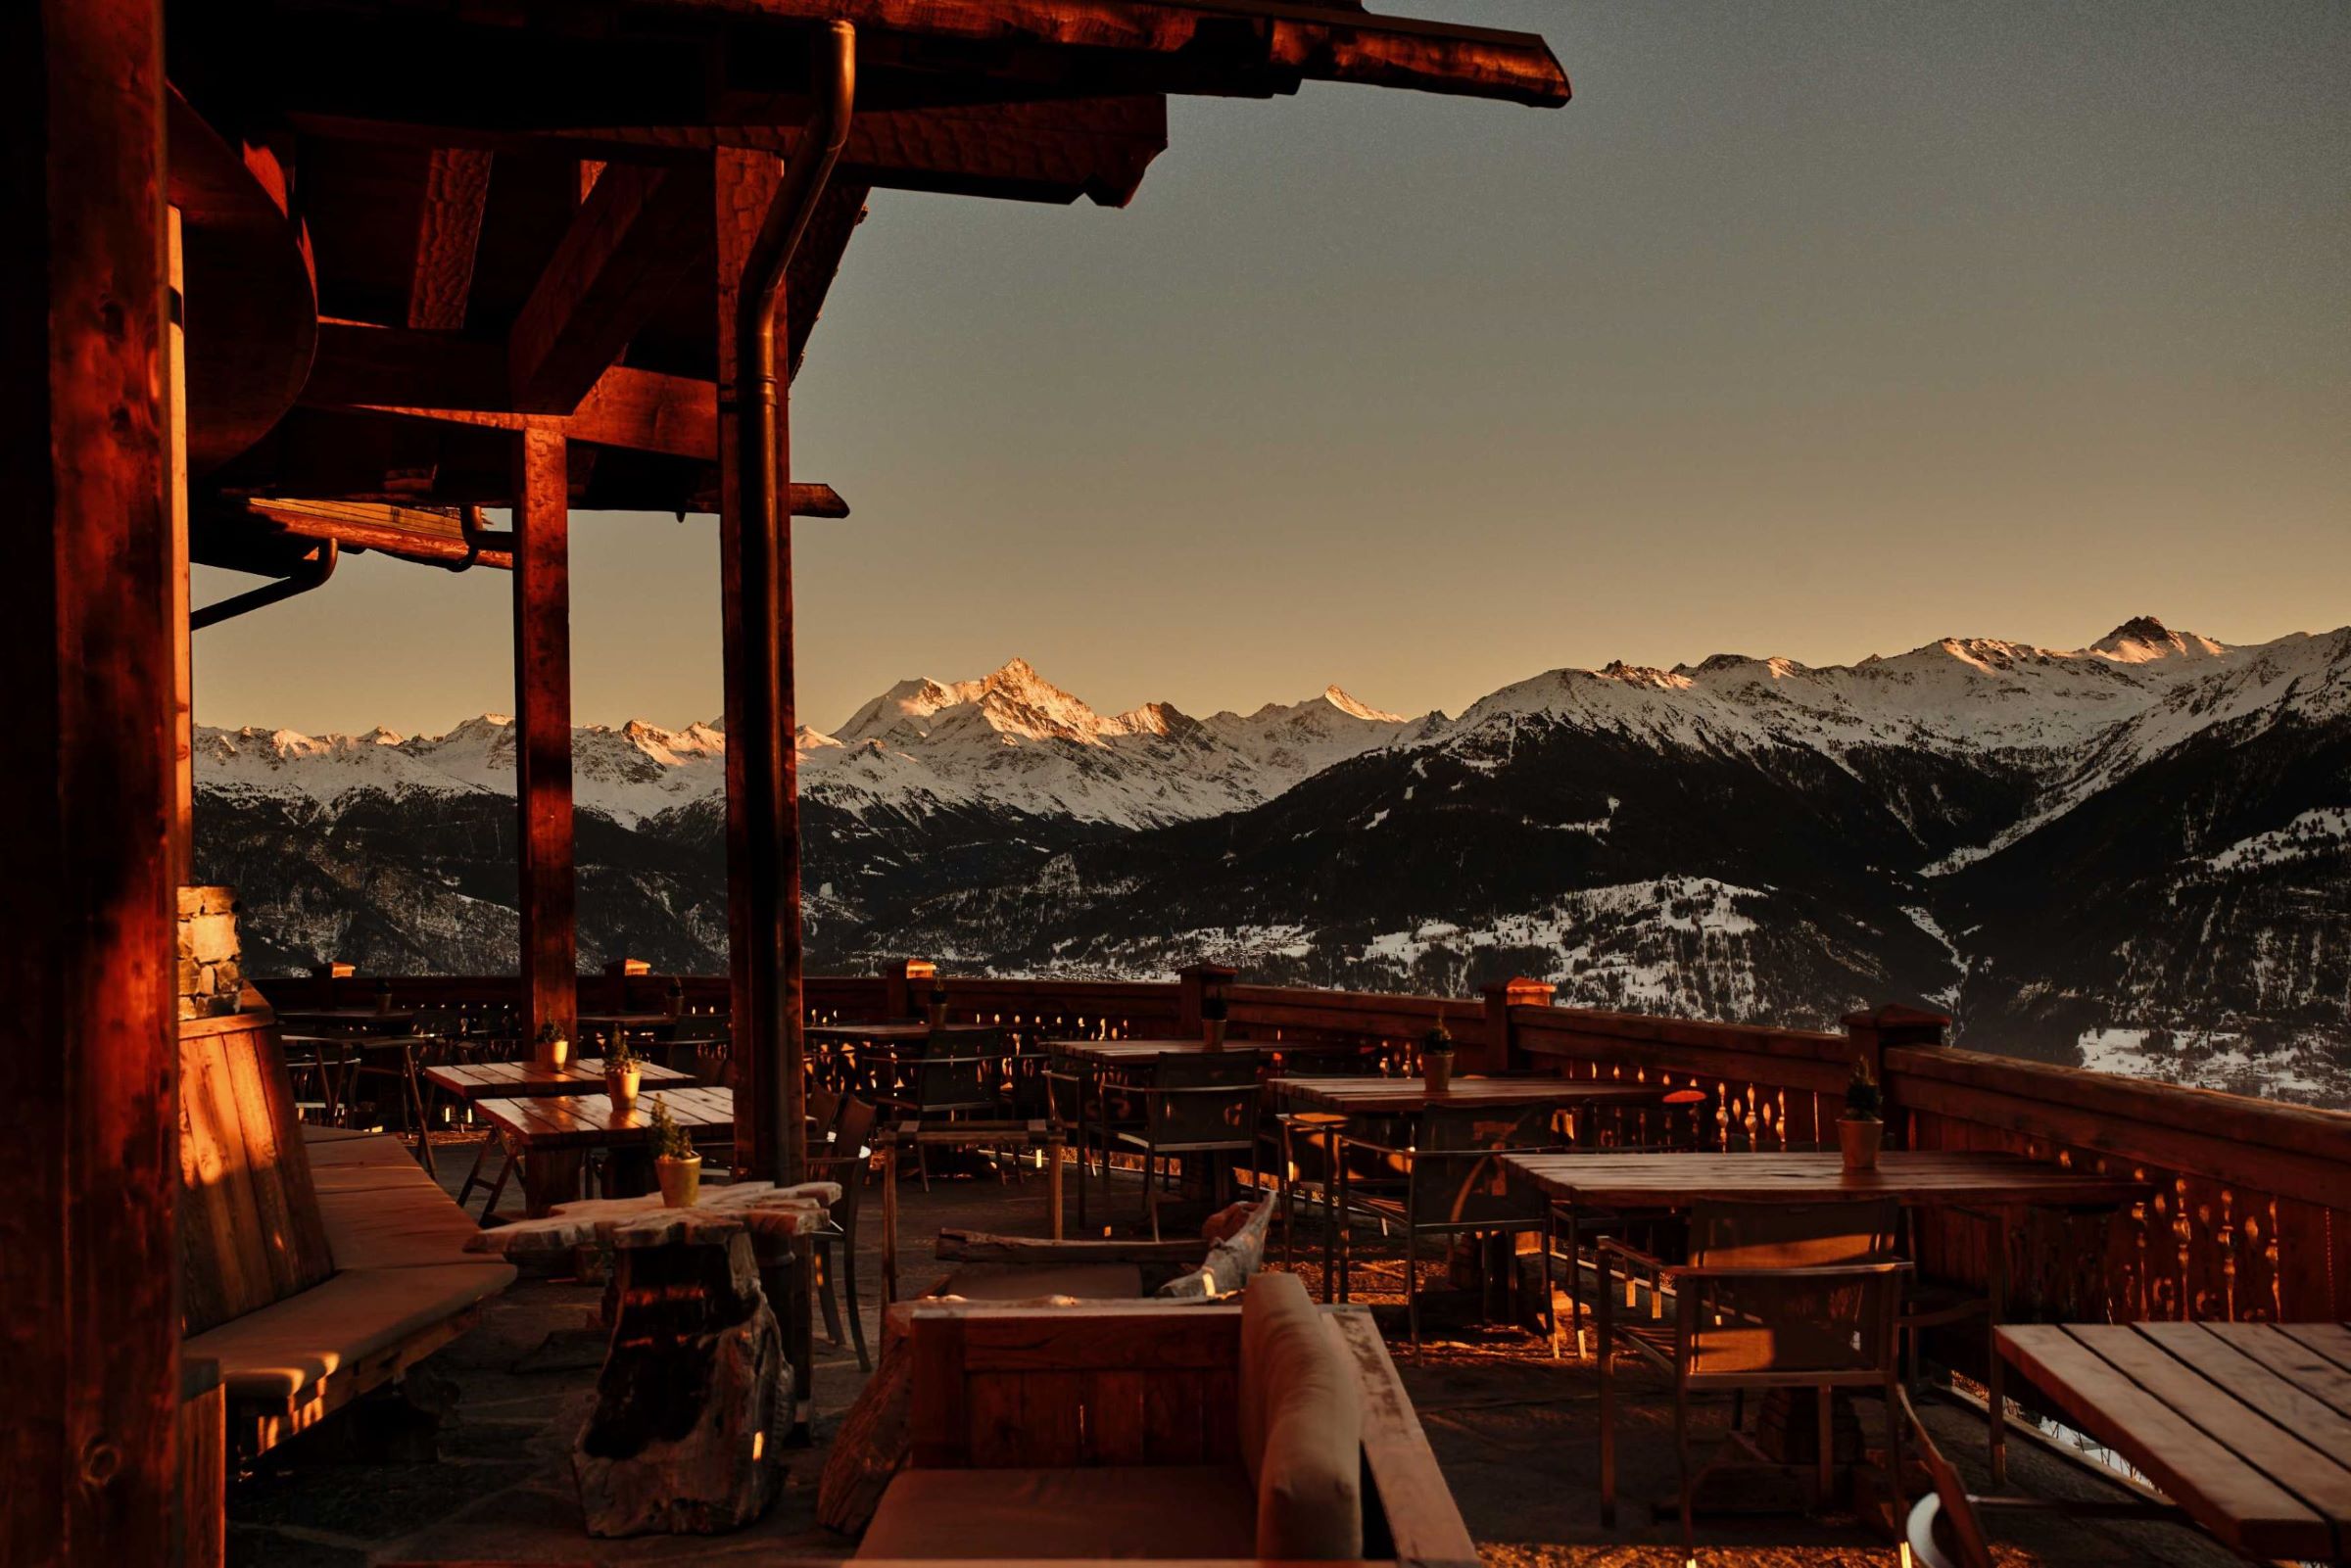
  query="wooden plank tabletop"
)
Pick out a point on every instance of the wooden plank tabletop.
point(1124, 1053)
point(630, 1021)
point(591, 1121)
point(2246, 1426)
point(1984, 1178)
point(886, 1034)
point(489, 1080)
point(1399, 1096)
point(346, 1018)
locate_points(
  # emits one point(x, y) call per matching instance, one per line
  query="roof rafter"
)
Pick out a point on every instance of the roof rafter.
point(448, 231)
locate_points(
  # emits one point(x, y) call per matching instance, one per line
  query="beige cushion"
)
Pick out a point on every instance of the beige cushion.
point(1097, 1282)
point(405, 1225)
point(361, 1149)
point(282, 1350)
point(314, 1135)
point(1192, 1511)
point(1301, 1425)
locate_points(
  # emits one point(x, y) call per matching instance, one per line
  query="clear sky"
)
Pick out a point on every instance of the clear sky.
point(1811, 327)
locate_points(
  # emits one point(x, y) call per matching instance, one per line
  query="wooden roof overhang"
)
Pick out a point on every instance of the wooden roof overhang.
point(505, 214)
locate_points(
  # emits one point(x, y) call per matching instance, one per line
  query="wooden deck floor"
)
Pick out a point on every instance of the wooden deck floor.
point(1515, 1432)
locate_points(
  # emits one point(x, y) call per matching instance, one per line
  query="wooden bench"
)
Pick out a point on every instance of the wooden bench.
point(1120, 1430)
point(315, 1264)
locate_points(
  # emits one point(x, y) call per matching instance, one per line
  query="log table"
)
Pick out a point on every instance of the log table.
point(553, 1134)
point(471, 1082)
point(2245, 1426)
point(1917, 1178)
point(695, 1397)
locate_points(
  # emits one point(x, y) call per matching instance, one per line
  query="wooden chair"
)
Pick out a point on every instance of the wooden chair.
point(1774, 1296)
point(949, 1080)
point(837, 1243)
point(1195, 1105)
point(1454, 1183)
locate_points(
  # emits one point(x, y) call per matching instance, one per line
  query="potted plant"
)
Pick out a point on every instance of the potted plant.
point(623, 1071)
point(1213, 1014)
point(676, 1165)
point(550, 1047)
point(383, 996)
point(938, 1009)
point(1860, 1129)
point(673, 1002)
point(1436, 1058)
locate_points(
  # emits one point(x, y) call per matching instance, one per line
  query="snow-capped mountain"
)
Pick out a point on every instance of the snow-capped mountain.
point(2137, 851)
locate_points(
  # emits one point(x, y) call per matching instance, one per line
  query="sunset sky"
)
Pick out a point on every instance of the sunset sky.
point(1808, 328)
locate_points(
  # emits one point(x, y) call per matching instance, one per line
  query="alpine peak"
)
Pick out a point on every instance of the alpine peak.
point(1358, 710)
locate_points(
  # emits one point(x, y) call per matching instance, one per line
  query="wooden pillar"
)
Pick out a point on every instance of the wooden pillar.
point(763, 839)
point(176, 492)
point(543, 728)
point(1500, 1051)
point(88, 1047)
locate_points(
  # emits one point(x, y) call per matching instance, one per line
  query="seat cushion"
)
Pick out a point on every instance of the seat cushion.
point(1197, 1511)
point(282, 1351)
point(356, 1149)
point(409, 1224)
point(1096, 1282)
point(1301, 1425)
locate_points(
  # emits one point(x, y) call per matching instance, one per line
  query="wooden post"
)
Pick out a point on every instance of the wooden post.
point(176, 494)
point(1193, 985)
point(543, 728)
point(1880, 1029)
point(1500, 1052)
point(763, 806)
point(88, 1047)
point(901, 979)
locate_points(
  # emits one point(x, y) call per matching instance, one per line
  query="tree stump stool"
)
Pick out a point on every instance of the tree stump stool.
point(694, 1398)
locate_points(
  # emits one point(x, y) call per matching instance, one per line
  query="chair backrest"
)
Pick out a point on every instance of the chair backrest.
point(1201, 1100)
point(852, 1136)
point(1818, 1288)
point(249, 1229)
point(951, 1075)
point(1458, 1177)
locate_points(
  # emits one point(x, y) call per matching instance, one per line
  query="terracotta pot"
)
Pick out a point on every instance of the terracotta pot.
point(1859, 1141)
point(554, 1054)
point(621, 1083)
point(681, 1180)
point(1436, 1071)
point(1212, 1032)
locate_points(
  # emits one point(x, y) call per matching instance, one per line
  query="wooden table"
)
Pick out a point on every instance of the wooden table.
point(652, 1022)
point(554, 1133)
point(1039, 1134)
point(2246, 1426)
point(897, 1031)
point(1407, 1095)
point(1971, 1179)
point(470, 1082)
point(1141, 1053)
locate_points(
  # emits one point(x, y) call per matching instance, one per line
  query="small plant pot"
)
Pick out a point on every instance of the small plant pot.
point(621, 1083)
point(937, 1015)
point(1859, 1140)
point(554, 1054)
point(1436, 1071)
point(1212, 1033)
point(681, 1180)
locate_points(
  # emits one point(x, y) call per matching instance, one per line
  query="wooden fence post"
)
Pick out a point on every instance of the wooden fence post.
point(1194, 984)
point(1499, 1053)
point(901, 978)
point(1891, 1025)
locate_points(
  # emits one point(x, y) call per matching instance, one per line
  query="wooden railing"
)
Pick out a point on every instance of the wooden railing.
point(2250, 1216)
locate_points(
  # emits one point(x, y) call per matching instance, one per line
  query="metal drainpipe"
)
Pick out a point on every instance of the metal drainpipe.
point(834, 89)
point(312, 573)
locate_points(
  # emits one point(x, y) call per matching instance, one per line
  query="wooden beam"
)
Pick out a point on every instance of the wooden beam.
point(448, 231)
point(814, 265)
point(634, 239)
point(548, 897)
point(88, 1048)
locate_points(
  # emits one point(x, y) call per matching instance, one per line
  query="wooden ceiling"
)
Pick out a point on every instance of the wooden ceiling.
point(504, 208)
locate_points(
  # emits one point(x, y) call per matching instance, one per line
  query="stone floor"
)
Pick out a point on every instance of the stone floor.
point(1514, 1431)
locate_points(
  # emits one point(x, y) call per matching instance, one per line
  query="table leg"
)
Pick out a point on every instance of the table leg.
point(549, 1176)
point(1995, 1398)
point(1053, 1182)
point(889, 1223)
